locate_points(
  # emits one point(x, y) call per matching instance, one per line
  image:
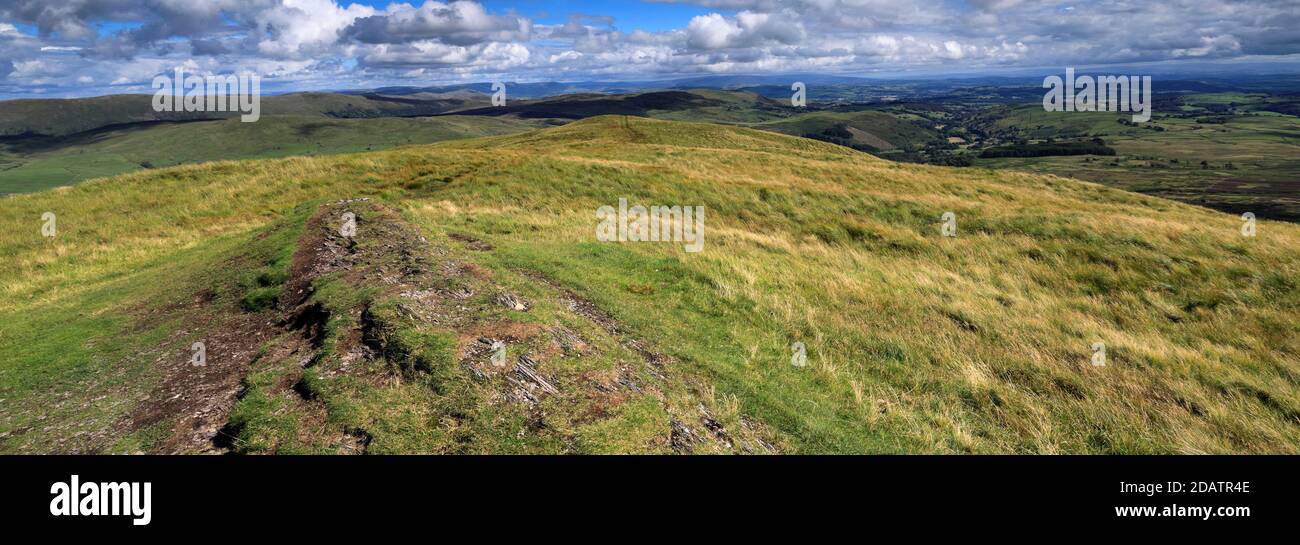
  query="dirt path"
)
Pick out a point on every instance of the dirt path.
point(417, 285)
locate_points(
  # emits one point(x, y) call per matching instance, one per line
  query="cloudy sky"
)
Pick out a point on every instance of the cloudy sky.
point(89, 47)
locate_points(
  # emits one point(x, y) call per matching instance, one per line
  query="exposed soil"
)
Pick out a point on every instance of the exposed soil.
point(471, 242)
point(198, 399)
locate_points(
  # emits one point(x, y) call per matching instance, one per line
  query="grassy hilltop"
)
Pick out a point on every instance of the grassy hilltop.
point(915, 342)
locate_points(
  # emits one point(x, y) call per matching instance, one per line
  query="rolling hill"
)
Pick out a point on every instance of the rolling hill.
point(475, 310)
point(873, 130)
point(63, 117)
point(51, 143)
point(691, 104)
point(34, 163)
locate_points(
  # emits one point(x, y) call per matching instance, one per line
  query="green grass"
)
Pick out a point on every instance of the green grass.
point(916, 342)
point(1226, 98)
point(102, 339)
point(1037, 123)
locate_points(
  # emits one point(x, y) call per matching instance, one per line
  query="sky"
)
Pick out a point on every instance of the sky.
point(56, 48)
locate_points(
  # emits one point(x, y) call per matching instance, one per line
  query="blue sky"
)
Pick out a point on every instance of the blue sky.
point(78, 47)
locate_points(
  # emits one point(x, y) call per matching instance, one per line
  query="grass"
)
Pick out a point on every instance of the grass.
point(915, 342)
point(79, 362)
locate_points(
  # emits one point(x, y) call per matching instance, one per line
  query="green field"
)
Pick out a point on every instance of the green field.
point(916, 342)
point(1251, 161)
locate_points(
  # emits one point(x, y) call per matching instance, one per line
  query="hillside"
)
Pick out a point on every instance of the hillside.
point(63, 117)
point(35, 163)
point(384, 343)
point(869, 130)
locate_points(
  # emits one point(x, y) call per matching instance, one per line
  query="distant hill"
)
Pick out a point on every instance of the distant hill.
point(62, 117)
point(552, 88)
point(871, 130)
point(49, 143)
point(34, 163)
point(693, 104)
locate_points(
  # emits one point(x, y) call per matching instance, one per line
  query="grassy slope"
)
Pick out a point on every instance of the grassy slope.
point(43, 163)
point(916, 342)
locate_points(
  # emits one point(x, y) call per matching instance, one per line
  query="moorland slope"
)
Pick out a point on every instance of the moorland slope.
point(475, 310)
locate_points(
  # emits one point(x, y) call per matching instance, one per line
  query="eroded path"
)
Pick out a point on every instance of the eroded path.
point(382, 341)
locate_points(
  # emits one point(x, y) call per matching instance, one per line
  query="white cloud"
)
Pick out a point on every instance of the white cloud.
point(305, 26)
point(460, 23)
point(712, 31)
point(1210, 45)
point(747, 29)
